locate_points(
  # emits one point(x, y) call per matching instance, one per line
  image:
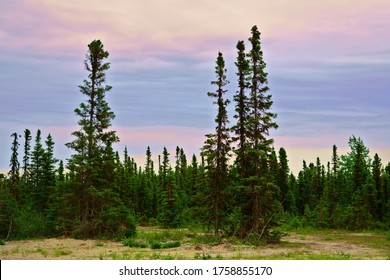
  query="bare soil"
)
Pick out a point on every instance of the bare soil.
point(293, 246)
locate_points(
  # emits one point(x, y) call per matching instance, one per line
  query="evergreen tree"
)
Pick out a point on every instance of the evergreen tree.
point(378, 186)
point(93, 163)
point(282, 180)
point(262, 193)
point(217, 145)
point(37, 193)
point(26, 157)
point(15, 166)
point(241, 109)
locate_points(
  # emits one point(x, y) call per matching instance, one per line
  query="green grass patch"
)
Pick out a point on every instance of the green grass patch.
point(173, 244)
point(162, 235)
point(207, 239)
point(42, 252)
point(132, 243)
point(203, 256)
point(62, 252)
point(2, 242)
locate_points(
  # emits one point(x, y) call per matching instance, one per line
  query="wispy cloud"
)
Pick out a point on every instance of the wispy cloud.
point(328, 65)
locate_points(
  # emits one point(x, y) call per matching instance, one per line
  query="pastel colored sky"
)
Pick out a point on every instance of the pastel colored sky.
point(328, 65)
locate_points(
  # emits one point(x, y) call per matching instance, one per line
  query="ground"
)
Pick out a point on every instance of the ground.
point(295, 245)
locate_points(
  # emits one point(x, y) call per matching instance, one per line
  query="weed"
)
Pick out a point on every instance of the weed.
point(328, 238)
point(2, 242)
point(202, 256)
point(173, 244)
point(62, 252)
point(168, 257)
point(99, 244)
point(42, 252)
point(155, 256)
point(207, 239)
point(162, 236)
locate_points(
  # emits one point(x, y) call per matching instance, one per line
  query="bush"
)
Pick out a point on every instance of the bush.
point(29, 224)
point(155, 245)
point(2, 242)
point(173, 244)
point(132, 243)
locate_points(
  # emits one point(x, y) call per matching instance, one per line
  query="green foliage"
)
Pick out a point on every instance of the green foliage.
point(172, 244)
point(129, 242)
point(155, 245)
point(29, 223)
point(207, 239)
point(203, 256)
point(2, 242)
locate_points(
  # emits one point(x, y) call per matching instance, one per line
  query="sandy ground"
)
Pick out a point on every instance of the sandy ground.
point(292, 245)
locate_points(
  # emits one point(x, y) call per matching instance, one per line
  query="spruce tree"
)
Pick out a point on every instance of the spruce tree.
point(262, 193)
point(15, 166)
point(26, 156)
point(241, 109)
point(93, 164)
point(38, 195)
point(217, 145)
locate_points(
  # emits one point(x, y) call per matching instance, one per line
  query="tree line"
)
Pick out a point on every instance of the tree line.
point(237, 185)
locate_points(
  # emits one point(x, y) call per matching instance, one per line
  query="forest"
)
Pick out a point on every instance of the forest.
point(238, 184)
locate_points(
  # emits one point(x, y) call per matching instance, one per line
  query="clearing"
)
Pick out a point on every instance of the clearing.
point(322, 244)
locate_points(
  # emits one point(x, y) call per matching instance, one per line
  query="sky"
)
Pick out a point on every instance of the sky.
point(328, 65)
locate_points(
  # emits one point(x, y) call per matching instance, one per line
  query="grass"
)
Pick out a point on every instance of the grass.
point(42, 251)
point(160, 244)
point(134, 244)
point(305, 256)
point(58, 252)
point(203, 256)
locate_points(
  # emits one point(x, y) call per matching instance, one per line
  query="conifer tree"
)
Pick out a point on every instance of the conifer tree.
point(217, 145)
point(37, 192)
point(26, 156)
point(15, 166)
point(93, 163)
point(241, 109)
point(262, 193)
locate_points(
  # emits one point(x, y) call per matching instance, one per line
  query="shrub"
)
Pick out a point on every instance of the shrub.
point(172, 244)
point(29, 224)
point(132, 243)
point(155, 245)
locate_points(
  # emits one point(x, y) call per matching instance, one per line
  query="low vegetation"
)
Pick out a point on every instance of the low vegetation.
point(161, 244)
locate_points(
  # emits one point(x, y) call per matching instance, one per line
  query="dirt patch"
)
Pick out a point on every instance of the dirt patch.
point(293, 246)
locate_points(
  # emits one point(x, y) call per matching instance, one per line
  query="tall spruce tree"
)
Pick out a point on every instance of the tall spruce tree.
point(15, 166)
point(92, 165)
point(263, 203)
point(217, 145)
point(241, 109)
point(26, 156)
point(14, 162)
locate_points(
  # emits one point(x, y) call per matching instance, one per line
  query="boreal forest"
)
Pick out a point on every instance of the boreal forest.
point(238, 185)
